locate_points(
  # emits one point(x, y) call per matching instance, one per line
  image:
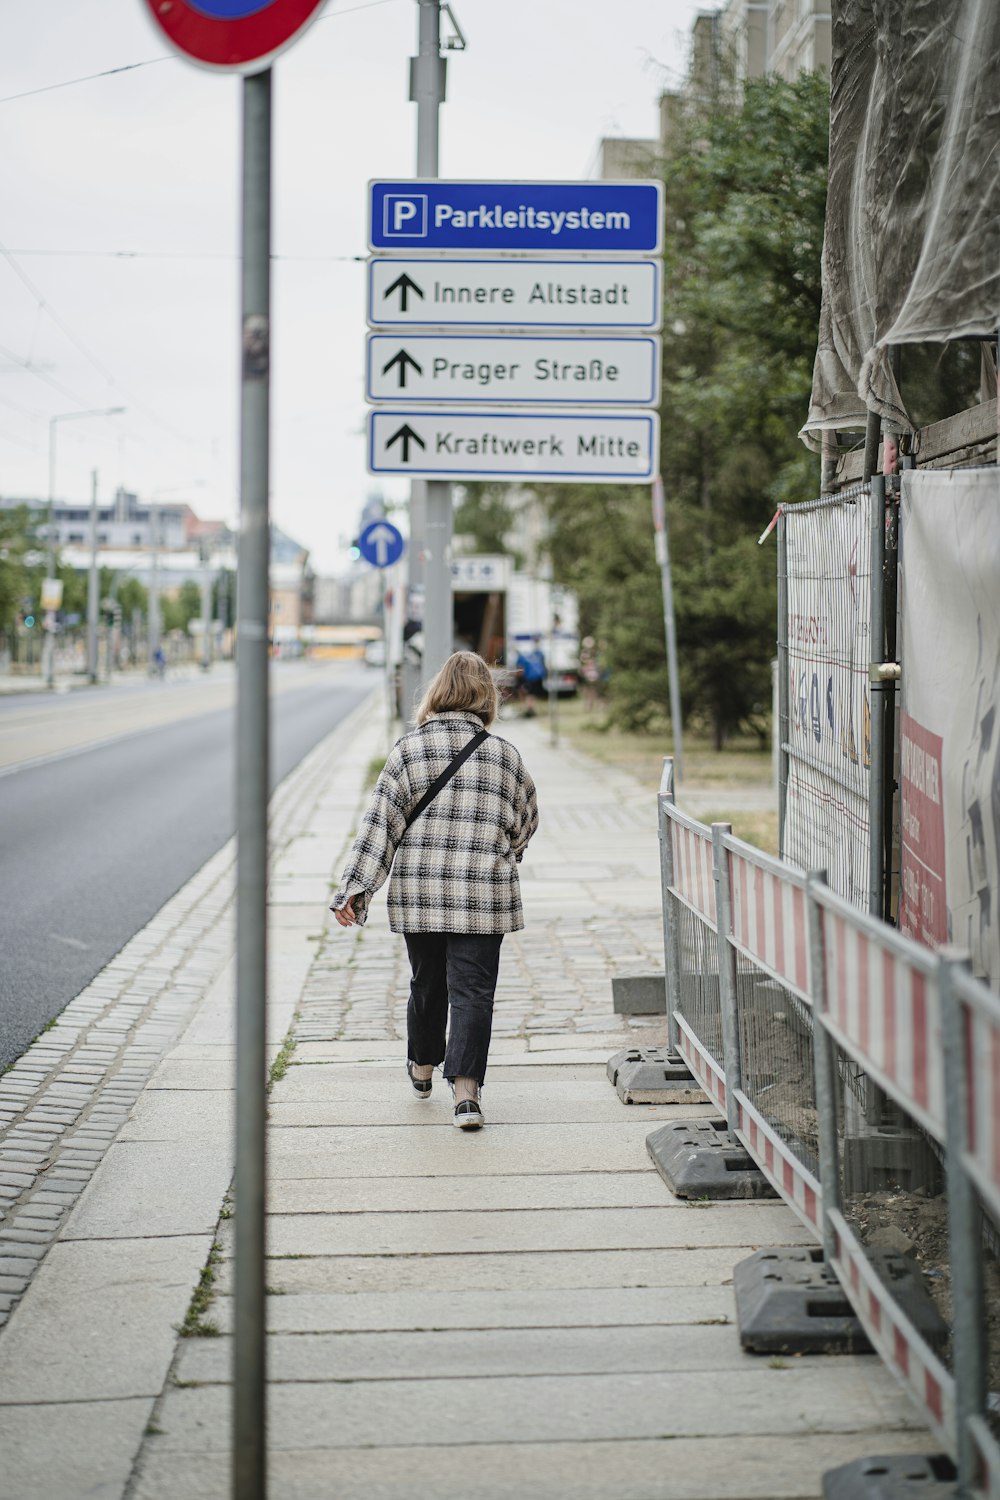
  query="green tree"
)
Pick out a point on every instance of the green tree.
point(179, 611)
point(20, 571)
point(745, 188)
point(483, 513)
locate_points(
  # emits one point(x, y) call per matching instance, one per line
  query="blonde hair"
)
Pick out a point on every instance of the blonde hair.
point(463, 685)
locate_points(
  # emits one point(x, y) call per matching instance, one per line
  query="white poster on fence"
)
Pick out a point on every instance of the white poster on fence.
point(829, 720)
point(949, 742)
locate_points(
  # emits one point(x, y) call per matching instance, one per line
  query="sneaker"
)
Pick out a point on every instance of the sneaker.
point(469, 1115)
point(421, 1086)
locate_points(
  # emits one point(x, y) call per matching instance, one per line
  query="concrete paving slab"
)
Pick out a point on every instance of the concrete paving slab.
point(597, 1307)
point(384, 1077)
point(672, 1227)
point(494, 1352)
point(98, 1320)
point(144, 1188)
point(176, 1115)
point(547, 1409)
point(555, 1103)
point(75, 1450)
point(419, 1152)
point(185, 1072)
point(763, 1468)
point(434, 1194)
point(596, 1041)
point(490, 1271)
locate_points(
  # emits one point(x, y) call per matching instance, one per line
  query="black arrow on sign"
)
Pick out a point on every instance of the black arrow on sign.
point(402, 359)
point(405, 436)
point(404, 286)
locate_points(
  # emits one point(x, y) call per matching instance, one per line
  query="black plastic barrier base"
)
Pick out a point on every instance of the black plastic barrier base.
point(902, 1476)
point(653, 1075)
point(789, 1301)
point(698, 1159)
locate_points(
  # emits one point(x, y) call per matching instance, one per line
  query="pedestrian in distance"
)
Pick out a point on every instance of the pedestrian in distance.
point(450, 815)
point(532, 667)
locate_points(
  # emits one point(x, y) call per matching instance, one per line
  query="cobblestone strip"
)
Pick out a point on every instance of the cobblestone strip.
point(63, 1102)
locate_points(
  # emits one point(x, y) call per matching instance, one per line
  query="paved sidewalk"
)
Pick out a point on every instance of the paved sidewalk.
point(524, 1313)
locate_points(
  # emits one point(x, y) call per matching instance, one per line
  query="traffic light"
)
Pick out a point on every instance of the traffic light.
point(29, 621)
point(354, 550)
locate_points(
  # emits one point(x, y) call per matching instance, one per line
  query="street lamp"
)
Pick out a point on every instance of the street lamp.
point(61, 416)
point(153, 624)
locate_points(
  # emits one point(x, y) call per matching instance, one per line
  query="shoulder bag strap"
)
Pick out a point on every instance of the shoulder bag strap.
point(441, 781)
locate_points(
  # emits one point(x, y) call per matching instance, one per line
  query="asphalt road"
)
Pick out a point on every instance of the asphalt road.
point(93, 843)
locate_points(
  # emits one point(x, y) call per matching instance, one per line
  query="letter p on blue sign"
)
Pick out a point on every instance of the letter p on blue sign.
point(405, 217)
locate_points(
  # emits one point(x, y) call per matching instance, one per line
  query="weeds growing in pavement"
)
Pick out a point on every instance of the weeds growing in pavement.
point(280, 1065)
point(195, 1325)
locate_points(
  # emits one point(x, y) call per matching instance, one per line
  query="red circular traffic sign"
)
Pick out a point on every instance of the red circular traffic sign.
point(239, 35)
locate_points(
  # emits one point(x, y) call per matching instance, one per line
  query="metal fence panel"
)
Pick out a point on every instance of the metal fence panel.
point(883, 1008)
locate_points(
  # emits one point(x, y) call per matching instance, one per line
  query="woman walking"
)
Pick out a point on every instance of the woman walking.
point(451, 815)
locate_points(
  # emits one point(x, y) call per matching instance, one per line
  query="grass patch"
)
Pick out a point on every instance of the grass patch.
point(195, 1325)
point(373, 770)
point(742, 767)
point(280, 1065)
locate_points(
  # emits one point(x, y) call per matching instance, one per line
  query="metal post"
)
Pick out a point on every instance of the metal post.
point(92, 585)
point(782, 725)
point(731, 1059)
point(252, 749)
point(554, 596)
point(873, 433)
point(153, 606)
point(890, 564)
point(876, 771)
point(662, 543)
point(671, 932)
point(50, 564)
point(206, 611)
point(824, 1069)
point(969, 1331)
point(428, 71)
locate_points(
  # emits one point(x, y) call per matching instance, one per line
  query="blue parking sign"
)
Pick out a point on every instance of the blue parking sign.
point(556, 217)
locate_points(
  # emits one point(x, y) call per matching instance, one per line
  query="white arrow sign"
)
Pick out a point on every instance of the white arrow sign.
point(519, 368)
point(589, 447)
point(382, 539)
point(455, 293)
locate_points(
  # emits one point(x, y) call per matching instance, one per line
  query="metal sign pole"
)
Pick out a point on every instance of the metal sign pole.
point(431, 543)
point(249, 1477)
point(92, 585)
point(669, 625)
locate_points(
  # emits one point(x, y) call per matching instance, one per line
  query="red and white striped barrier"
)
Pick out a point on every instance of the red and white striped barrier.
point(981, 1029)
point(892, 1333)
point(769, 919)
point(780, 1165)
point(694, 880)
point(883, 1007)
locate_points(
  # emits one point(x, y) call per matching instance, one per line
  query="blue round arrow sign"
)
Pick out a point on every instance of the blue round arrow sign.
point(381, 544)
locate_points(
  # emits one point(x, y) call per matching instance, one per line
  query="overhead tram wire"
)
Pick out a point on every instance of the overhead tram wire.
point(45, 306)
point(149, 62)
point(221, 255)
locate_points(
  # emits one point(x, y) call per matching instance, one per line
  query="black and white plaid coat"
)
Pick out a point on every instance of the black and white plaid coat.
point(456, 868)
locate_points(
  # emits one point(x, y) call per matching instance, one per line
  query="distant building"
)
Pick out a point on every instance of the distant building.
point(745, 39)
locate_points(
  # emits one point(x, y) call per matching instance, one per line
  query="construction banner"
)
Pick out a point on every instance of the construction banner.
point(949, 742)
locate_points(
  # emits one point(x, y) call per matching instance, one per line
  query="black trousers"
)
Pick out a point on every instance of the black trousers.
point(453, 973)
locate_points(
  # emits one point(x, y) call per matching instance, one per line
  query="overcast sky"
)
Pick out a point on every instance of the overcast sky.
point(118, 219)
